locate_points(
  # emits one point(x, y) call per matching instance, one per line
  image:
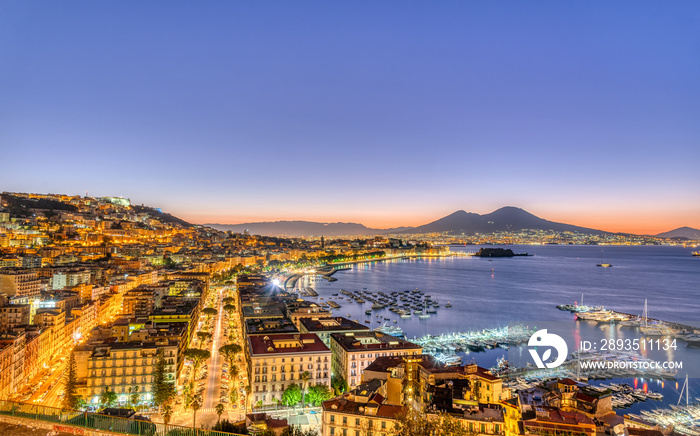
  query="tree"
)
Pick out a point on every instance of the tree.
point(234, 371)
point(412, 423)
point(197, 356)
point(163, 391)
point(305, 377)
point(233, 396)
point(134, 397)
point(71, 399)
point(230, 351)
point(295, 430)
point(203, 336)
point(196, 404)
point(187, 394)
point(209, 312)
point(108, 398)
point(228, 300)
point(230, 427)
point(318, 394)
point(291, 395)
point(169, 263)
point(339, 384)
point(167, 413)
point(230, 308)
point(219, 410)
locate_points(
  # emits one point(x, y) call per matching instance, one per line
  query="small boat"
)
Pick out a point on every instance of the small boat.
point(368, 312)
point(448, 304)
point(604, 264)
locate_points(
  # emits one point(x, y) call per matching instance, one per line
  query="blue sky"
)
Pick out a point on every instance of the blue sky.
point(385, 113)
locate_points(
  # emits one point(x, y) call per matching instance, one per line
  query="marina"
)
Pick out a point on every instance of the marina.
point(683, 417)
point(474, 341)
point(473, 293)
point(648, 327)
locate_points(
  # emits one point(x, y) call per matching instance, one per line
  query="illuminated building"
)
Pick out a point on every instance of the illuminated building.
point(276, 361)
point(353, 352)
point(120, 366)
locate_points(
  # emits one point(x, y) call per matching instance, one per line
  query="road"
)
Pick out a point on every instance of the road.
point(213, 390)
point(53, 384)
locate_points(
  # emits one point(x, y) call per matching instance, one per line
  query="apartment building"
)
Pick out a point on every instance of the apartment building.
point(276, 361)
point(12, 347)
point(13, 315)
point(353, 352)
point(19, 283)
point(359, 413)
point(121, 366)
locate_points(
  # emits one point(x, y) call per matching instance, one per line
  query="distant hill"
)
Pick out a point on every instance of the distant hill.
point(460, 222)
point(303, 228)
point(162, 216)
point(681, 232)
point(504, 219)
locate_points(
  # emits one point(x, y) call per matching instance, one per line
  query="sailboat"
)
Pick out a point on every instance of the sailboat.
point(603, 263)
point(654, 329)
point(425, 313)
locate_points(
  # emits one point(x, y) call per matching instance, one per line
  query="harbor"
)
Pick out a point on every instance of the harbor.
point(472, 293)
point(649, 327)
point(683, 417)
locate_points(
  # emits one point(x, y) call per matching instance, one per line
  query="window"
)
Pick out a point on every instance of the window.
point(332, 419)
point(357, 422)
point(345, 420)
point(383, 425)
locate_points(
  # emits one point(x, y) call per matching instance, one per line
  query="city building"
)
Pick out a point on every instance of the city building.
point(359, 414)
point(13, 315)
point(276, 361)
point(19, 283)
point(324, 327)
point(125, 367)
point(353, 352)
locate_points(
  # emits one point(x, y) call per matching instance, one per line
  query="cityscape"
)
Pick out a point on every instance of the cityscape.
point(350, 218)
point(110, 307)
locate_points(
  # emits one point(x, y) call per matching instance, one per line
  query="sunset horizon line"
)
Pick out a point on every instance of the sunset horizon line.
point(617, 224)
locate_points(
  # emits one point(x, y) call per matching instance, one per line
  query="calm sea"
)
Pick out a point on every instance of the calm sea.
point(494, 293)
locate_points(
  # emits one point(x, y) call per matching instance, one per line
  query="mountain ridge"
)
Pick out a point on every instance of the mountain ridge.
point(507, 218)
point(681, 232)
point(301, 228)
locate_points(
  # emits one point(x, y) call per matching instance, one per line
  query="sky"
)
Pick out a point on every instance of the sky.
point(388, 113)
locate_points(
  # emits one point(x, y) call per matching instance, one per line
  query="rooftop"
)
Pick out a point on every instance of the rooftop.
point(371, 340)
point(343, 404)
point(289, 343)
point(334, 324)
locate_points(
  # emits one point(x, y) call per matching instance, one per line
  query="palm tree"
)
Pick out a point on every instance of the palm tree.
point(305, 377)
point(196, 404)
point(167, 413)
point(219, 410)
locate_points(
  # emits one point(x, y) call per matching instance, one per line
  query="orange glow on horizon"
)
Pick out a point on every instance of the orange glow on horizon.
point(619, 222)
